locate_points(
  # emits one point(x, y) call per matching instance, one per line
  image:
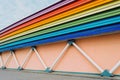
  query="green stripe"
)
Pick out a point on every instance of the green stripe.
point(98, 16)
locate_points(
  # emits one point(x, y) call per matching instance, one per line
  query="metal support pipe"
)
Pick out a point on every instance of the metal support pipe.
point(2, 64)
point(39, 57)
point(59, 57)
point(13, 53)
point(26, 58)
point(87, 57)
point(115, 67)
point(7, 59)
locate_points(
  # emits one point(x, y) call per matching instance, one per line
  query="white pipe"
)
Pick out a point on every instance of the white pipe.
point(7, 59)
point(115, 67)
point(26, 58)
point(40, 59)
point(59, 57)
point(89, 59)
point(1, 61)
point(12, 52)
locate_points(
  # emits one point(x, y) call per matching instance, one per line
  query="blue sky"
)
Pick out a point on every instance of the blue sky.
point(14, 10)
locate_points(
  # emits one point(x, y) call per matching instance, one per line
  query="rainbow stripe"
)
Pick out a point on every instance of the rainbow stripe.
point(68, 19)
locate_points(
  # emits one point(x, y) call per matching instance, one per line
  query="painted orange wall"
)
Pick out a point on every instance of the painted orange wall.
point(104, 50)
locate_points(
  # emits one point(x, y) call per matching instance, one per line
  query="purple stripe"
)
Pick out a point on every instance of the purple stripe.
point(39, 13)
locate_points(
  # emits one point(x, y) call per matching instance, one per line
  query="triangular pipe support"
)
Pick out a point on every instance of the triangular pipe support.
point(106, 73)
point(48, 70)
point(70, 42)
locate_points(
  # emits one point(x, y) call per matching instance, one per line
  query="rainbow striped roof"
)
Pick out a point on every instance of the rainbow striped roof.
point(65, 20)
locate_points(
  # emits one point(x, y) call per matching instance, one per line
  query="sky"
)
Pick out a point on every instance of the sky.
point(15, 10)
